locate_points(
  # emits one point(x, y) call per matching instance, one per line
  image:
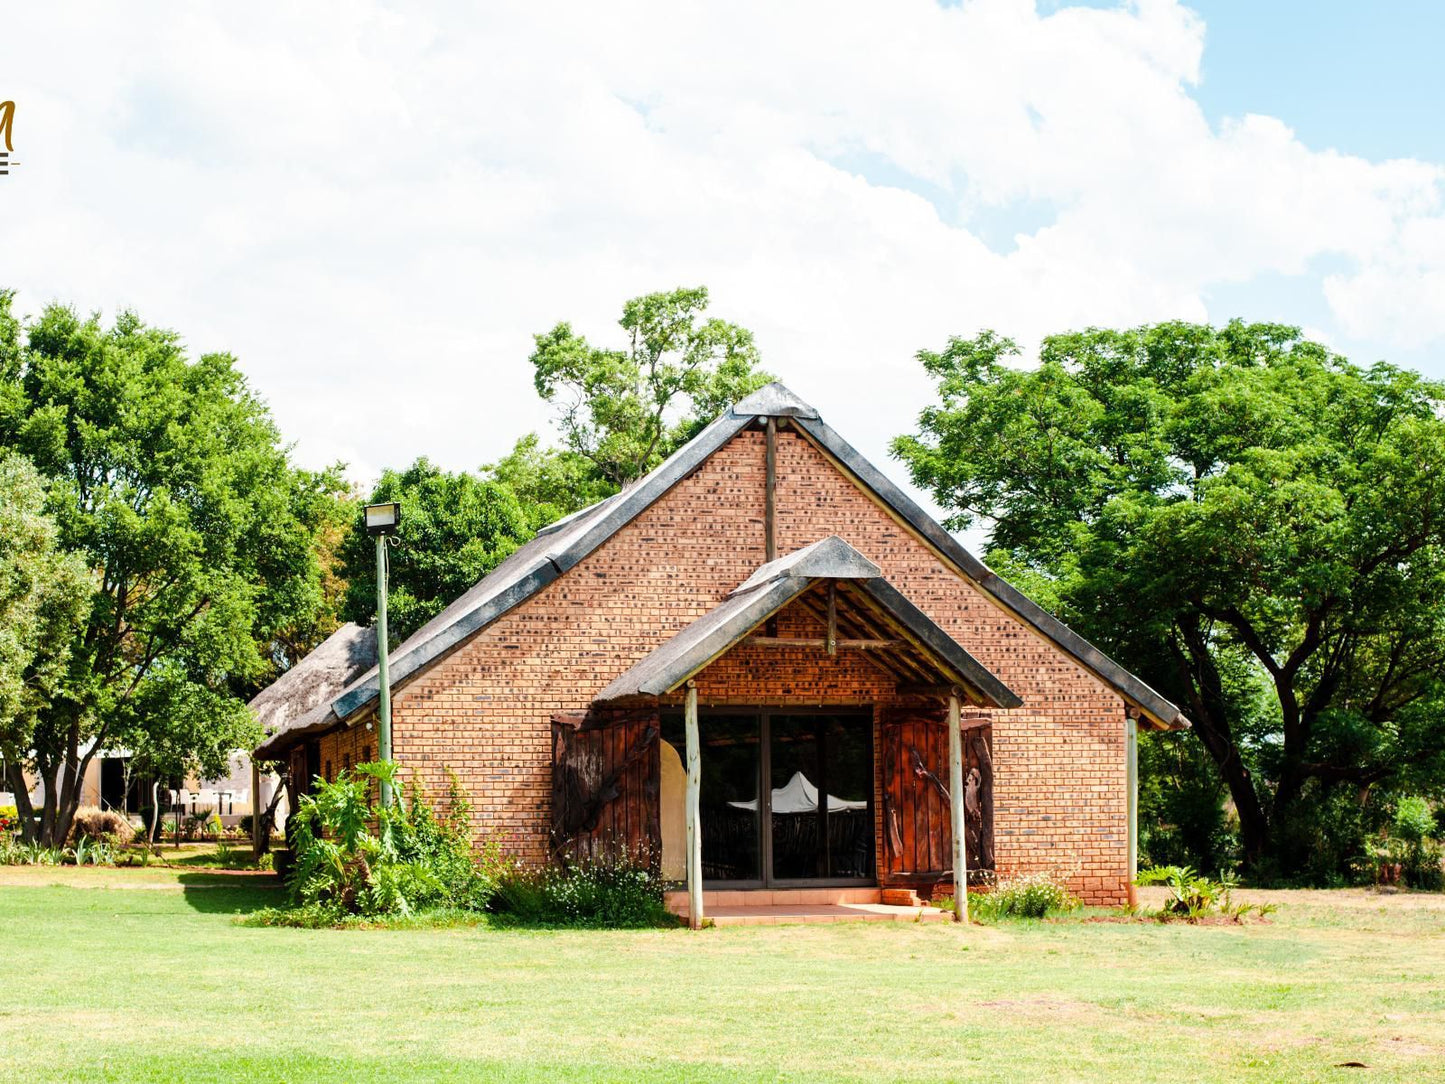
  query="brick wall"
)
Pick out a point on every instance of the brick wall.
point(484, 710)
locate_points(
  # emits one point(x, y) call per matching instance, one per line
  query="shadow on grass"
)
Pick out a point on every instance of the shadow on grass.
point(508, 921)
point(240, 858)
point(222, 892)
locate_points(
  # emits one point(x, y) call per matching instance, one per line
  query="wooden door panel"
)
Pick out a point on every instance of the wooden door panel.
point(917, 830)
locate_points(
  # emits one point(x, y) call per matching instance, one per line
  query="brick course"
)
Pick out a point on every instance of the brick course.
point(484, 709)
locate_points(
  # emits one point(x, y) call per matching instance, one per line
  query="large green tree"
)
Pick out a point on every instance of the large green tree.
point(549, 483)
point(44, 592)
point(169, 480)
point(624, 410)
point(455, 528)
point(1245, 518)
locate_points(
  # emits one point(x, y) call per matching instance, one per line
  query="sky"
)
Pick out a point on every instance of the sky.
point(375, 206)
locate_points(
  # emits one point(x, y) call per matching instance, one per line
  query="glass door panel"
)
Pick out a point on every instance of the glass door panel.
point(849, 746)
point(731, 818)
point(820, 775)
point(797, 817)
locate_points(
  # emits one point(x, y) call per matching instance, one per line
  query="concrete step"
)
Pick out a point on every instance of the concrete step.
point(676, 901)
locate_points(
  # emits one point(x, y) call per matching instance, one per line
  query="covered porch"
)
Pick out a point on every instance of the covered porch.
point(808, 747)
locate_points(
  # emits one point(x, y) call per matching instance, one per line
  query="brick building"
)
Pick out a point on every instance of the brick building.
point(821, 622)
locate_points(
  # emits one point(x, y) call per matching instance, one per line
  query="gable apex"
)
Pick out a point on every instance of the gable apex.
point(830, 558)
point(773, 401)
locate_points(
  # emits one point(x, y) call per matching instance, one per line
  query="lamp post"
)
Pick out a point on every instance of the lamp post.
point(382, 520)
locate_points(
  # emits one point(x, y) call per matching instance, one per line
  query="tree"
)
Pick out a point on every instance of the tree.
point(455, 528)
point(329, 509)
point(626, 410)
point(43, 596)
point(549, 483)
point(168, 478)
point(1249, 521)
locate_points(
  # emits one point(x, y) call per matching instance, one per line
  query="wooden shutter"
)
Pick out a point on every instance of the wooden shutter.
point(606, 779)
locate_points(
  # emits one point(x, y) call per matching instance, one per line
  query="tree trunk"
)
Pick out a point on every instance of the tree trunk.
point(1211, 723)
point(24, 809)
point(268, 822)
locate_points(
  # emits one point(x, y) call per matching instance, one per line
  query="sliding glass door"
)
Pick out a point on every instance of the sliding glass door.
point(812, 823)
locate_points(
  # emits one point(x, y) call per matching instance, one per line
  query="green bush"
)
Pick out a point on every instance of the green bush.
point(1414, 822)
point(1423, 866)
point(1407, 855)
point(1036, 895)
point(89, 851)
point(1193, 896)
point(617, 893)
point(413, 862)
point(15, 853)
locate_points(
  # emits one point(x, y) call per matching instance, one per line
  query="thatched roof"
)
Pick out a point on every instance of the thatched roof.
point(299, 701)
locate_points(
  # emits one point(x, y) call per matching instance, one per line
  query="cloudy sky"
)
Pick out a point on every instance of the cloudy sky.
point(375, 205)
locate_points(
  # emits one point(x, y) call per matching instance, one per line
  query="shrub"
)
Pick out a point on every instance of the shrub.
point(1414, 822)
point(9, 819)
point(615, 893)
point(100, 824)
point(88, 851)
point(1193, 896)
point(13, 853)
point(1407, 855)
point(1033, 896)
point(415, 861)
point(1423, 866)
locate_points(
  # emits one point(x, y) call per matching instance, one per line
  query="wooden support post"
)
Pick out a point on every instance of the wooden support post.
point(770, 527)
point(255, 807)
point(955, 802)
point(832, 617)
point(1131, 773)
point(770, 509)
point(692, 808)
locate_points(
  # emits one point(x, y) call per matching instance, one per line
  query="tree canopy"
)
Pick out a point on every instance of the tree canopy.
point(1246, 519)
point(168, 479)
point(549, 483)
point(43, 597)
point(624, 410)
point(455, 528)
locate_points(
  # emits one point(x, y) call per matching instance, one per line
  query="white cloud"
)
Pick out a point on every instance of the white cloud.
point(374, 207)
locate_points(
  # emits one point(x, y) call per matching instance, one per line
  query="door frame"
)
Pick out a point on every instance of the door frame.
point(865, 714)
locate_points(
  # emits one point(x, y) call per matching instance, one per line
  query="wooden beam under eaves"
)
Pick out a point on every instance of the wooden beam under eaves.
point(808, 641)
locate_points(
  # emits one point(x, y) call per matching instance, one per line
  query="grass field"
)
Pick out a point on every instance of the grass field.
point(142, 975)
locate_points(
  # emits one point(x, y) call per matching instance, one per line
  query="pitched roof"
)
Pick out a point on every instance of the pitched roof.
point(303, 694)
point(780, 582)
point(562, 545)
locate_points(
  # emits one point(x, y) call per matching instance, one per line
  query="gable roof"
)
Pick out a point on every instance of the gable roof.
point(562, 545)
point(780, 582)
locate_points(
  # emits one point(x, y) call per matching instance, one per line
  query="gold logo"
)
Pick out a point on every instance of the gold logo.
point(7, 127)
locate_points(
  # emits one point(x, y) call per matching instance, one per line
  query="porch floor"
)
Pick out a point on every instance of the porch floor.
point(774, 907)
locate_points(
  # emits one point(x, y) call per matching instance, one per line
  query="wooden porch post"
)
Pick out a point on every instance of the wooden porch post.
point(770, 484)
point(1131, 773)
point(956, 798)
point(693, 804)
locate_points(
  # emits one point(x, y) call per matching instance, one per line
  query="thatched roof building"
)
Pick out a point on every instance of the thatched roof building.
point(299, 701)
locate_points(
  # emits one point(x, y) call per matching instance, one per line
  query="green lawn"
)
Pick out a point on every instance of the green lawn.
point(141, 975)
